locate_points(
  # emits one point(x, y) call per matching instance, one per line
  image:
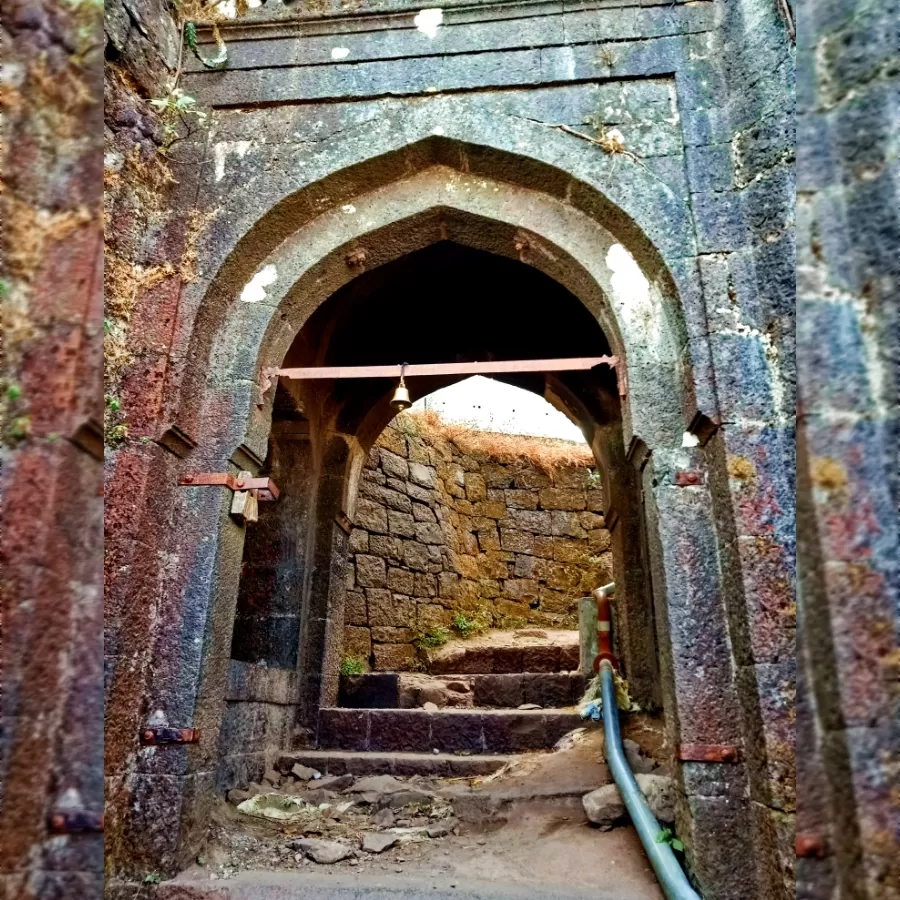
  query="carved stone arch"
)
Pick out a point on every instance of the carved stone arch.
point(429, 201)
point(317, 241)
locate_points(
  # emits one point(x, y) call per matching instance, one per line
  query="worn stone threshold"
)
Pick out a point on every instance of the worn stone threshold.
point(267, 885)
point(446, 765)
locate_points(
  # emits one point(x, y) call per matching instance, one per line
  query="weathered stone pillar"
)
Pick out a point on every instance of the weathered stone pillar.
point(634, 638)
point(713, 817)
point(322, 629)
point(181, 643)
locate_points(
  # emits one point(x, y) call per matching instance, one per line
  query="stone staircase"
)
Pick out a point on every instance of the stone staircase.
point(480, 703)
point(447, 730)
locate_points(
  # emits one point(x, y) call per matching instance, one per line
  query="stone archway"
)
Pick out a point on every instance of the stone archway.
point(377, 317)
point(628, 288)
point(638, 309)
point(283, 271)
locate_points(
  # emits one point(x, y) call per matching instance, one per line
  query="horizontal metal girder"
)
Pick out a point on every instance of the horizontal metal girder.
point(491, 367)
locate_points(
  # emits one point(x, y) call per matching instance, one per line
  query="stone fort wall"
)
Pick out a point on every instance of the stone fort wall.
point(442, 532)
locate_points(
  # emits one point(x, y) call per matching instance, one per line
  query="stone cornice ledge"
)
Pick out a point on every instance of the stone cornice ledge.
point(282, 18)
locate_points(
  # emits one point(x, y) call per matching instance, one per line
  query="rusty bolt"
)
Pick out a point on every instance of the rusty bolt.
point(810, 845)
point(58, 822)
point(148, 735)
point(729, 754)
point(683, 479)
point(188, 479)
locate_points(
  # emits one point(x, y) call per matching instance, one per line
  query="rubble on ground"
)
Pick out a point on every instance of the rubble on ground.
point(303, 817)
point(605, 809)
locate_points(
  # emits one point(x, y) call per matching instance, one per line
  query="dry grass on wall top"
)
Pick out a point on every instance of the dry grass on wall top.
point(548, 455)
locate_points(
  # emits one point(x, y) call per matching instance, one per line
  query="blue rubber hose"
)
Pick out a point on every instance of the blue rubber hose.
point(670, 874)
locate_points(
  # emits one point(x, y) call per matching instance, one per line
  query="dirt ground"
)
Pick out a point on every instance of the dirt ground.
point(522, 826)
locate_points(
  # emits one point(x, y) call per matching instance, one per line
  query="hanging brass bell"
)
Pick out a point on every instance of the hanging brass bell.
point(400, 400)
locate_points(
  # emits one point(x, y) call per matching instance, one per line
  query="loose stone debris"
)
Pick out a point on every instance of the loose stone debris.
point(378, 843)
point(302, 818)
point(605, 809)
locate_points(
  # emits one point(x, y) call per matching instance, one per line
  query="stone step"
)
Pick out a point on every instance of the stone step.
point(388, 690)
point(444, 765)
point(551, 690)
point(449, 730)
point(480, 659)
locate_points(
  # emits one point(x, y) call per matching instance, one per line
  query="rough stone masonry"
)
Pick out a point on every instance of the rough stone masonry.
point(630, 167)
point(441, 533)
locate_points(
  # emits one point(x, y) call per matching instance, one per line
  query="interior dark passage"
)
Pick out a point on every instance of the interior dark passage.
point(450, 303)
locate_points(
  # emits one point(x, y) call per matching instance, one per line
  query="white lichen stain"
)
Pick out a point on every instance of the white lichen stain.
point(770, 351)
point(438, 131)
point(428, 20)
point(340, 52)
point(695, 46)
point(221, 151)
point(70, 799)
point(689, 440)
point(569, 57)
point(228, 8)
point(349, 209)
point(255, 289)
point(632, 291)
point(616, 140)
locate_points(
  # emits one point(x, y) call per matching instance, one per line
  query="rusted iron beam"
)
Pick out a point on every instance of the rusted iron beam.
point(267, 488)
point(726, 753)
point(490, 367)
point(156, 734)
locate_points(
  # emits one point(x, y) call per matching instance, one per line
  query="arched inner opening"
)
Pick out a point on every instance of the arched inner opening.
point(301, 578)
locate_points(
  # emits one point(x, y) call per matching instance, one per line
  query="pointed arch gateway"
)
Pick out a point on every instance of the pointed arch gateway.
point(286, 293)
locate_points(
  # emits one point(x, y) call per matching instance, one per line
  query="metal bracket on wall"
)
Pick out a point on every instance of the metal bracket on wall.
point(248, 491)
point(243, 482)
point(719, 753)
point(156, 734)
point(74, 821)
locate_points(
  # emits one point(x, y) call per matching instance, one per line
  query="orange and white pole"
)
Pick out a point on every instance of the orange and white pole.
point(604, 626)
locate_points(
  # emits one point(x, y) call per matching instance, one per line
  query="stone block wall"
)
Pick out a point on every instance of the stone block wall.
point(51, 578)
point(848, 272)
point(441, 532)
